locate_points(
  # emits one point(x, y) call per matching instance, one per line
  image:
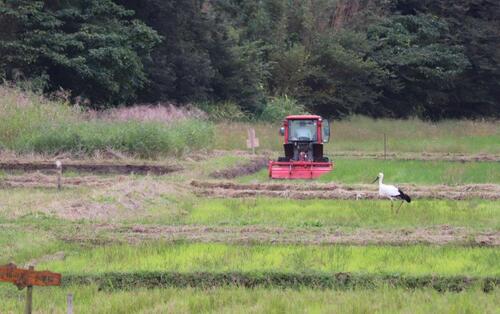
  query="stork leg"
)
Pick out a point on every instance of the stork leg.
point(397, 210)
point(392, 206)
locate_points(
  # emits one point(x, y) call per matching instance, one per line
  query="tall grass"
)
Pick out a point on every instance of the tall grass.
point(367, 135)
point(30, 123)
point(187, 258)
point(88, 299)
point(148, 140)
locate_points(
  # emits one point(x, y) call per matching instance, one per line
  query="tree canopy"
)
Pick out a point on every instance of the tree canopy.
point(384, 58)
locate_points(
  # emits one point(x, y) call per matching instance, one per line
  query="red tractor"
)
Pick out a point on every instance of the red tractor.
point(304, 139)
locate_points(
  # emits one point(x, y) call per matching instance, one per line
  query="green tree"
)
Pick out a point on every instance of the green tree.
point(424, 67)
point(341, 79)
point(91, 47)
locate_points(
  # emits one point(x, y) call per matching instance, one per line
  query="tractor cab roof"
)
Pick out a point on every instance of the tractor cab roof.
point(303, 117)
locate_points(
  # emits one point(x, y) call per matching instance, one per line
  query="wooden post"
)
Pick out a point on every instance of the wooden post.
point(59, 174)
point(29, 297)
point(28, 278)
point(385, 146)
point(252, 141)
point(70, 303)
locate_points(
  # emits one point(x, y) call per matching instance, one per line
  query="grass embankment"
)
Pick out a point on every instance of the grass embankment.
point(30, 123)
point(88, 299)
point(403, 171)
point(362, 134)
point(415, 260)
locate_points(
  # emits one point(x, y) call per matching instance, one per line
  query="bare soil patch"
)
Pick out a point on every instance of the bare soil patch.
point(251, 167)
point(340, 191)
point(441, 235)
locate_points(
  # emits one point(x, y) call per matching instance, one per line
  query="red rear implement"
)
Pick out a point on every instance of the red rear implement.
point(304, 138)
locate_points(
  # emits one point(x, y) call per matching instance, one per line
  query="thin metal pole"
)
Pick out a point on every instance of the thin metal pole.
point(29, 297)
point(385, 146)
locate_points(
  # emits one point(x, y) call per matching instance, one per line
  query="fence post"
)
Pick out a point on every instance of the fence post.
point(252, 140)
point(29, 297)
point(59, 174)
point(70, 303)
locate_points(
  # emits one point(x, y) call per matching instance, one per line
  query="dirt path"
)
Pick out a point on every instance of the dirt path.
point(253, 166)
point(41, 180)
point(254, 234)
point(338, 191)
point(92, 167)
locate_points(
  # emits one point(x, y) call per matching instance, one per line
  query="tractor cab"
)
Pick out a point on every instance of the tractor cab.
point(304, 137)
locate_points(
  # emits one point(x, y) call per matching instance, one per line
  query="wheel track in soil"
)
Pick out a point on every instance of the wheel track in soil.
point(440, 235)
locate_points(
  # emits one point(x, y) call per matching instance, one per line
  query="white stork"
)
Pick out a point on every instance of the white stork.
point(391, 192)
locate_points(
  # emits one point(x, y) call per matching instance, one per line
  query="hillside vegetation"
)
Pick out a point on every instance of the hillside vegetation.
point(382, 58)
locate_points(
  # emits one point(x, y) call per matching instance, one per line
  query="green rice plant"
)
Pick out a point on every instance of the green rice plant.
point(403, 171)
point(258, 300)
point(414, 260)
point(473, 214)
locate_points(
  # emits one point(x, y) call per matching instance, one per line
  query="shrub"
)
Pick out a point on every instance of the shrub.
point(223, 111)
point(279, 107)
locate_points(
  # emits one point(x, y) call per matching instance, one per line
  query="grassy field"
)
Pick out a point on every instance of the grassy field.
point(473, 214)
point(404, 171)
point(367, 135)
point(240, 300)
point(202, 257)
point(48, 209)
point(114, 236)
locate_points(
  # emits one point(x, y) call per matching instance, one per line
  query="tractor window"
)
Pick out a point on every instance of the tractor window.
point(325, 128)
point(302, 130)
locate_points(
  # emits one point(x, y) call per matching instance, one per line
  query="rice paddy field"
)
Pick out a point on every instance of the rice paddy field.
point(149, 243)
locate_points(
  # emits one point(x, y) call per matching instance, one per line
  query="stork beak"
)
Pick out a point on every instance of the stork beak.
point(376, 179)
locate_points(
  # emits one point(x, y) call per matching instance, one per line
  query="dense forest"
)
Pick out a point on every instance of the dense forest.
point(383, 58)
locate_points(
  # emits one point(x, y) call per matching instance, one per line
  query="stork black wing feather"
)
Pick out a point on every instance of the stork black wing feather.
point(404, 196)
